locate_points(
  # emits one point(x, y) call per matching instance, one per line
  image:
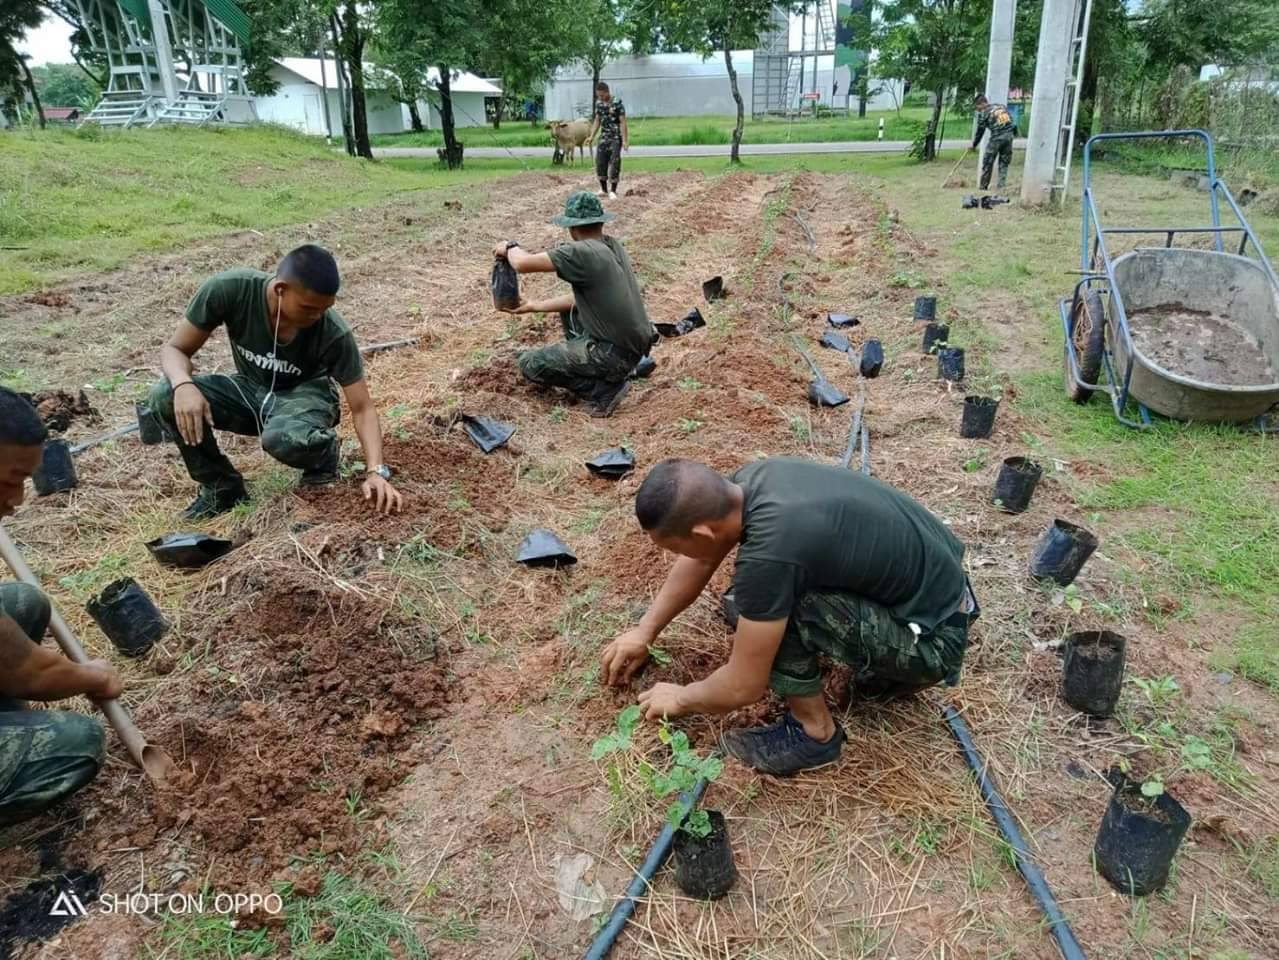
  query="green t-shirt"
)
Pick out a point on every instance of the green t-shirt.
point(809, 526)
point(236, 299)
point(608, 297)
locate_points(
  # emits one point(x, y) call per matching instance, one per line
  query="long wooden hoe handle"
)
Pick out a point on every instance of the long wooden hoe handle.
point(967, 151)
point(152, 759)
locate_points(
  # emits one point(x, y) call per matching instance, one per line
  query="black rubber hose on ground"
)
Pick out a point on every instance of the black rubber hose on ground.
point(657, 855)
point(1070, 948)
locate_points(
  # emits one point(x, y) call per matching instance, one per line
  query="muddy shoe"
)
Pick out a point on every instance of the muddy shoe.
point(606, 397)
point(323, 473)
point(318, 477)
point(782, 748)
point(644, 369)
point(210, 502)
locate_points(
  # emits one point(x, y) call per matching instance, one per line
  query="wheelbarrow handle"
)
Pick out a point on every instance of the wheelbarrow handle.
point(151, 759)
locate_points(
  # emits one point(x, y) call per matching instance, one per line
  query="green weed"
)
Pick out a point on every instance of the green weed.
point(689, 426)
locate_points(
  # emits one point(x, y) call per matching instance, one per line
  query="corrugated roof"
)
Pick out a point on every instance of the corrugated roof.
point(308, 68)
point(235, 19)
point(138, 10)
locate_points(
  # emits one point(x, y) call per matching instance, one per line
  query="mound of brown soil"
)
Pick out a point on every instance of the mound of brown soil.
point(310, 707)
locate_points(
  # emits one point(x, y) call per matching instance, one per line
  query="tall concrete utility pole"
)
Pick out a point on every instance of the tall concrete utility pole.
point(1052, 64)
point(999, 65)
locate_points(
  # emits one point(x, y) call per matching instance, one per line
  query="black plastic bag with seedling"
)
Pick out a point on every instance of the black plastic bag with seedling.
point(504, 283)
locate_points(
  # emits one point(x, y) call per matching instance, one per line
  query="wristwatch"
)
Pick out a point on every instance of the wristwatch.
point(382, 470)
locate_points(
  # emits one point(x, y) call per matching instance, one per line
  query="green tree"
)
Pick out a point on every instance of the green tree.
point(937, 45)
point(65, 85)
point(16, 18)
point(720, 26)
point(1191, 33)
point(420, 34)
point(601, 34)
point(522, 44)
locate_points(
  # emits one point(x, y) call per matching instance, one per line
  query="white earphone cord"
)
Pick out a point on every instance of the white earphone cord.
point(260, 415)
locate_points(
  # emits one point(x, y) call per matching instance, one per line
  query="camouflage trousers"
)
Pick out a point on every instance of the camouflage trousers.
point(886, 656)
point(297, 426)
point(45, 755)
point(1000, 149)
point(608, 162)
point(577, 364)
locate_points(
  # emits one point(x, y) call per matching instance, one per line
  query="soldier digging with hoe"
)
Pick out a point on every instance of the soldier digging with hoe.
point(292, 351)
point(829, 562)
point(606, 328)
point(995, 118)
point(45, 755)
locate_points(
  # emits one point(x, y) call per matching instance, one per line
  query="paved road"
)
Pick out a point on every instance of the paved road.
point(713, 150)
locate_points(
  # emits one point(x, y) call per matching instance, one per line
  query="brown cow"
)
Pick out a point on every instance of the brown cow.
point(570, 134)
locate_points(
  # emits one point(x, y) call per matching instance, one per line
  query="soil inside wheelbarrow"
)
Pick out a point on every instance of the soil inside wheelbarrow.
point(1204, 346)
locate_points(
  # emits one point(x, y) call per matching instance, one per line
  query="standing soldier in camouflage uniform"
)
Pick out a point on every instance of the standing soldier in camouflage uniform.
point(606, 328)
point(292, 351)
point(45, 755)
point(829, 562)
point(995, 118)
point(614, 136)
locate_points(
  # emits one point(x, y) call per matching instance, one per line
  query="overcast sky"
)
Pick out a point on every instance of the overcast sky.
point(49, 44)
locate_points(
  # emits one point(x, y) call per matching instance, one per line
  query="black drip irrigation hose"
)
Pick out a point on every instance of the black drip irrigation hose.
point(855, 433)
point(1070, 948)
point(133, 427)
point(657, 855)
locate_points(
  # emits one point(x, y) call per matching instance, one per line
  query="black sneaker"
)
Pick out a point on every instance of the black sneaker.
point(644, 369)
point(606, 396)
point(323, 473)
point(211, 502)
point(782, 748)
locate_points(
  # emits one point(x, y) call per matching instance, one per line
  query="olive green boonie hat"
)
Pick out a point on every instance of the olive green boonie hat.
point(581, 210)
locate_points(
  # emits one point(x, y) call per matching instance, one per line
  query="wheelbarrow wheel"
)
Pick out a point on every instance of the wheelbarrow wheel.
point(1088, 332)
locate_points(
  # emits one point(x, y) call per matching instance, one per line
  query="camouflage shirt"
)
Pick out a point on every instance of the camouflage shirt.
point(610, 117)
point(997, 120)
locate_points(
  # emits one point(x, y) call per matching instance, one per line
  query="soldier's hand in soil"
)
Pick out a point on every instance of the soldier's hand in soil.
point(104, 682)
point(526, 306)
point(662, 700)
point(623, 657)
point(191, 411)
point(388, 499)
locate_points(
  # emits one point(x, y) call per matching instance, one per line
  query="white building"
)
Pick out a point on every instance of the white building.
point(468, 93)
point(683, 84)
point(306, 83)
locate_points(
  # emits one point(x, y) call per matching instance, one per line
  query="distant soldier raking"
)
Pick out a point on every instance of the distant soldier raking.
point(290, 348)
point(829, 562)
point(45, 755)
point(995, 118)
point(609, 122)
point(606, 328)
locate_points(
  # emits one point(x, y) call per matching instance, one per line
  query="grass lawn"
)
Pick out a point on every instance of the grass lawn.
point(668, 131)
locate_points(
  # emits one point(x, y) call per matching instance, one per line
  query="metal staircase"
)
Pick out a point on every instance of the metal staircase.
point(120, 31)
point(770, 79)
point(781, 72)
point(1070, 103)
point(171, 61)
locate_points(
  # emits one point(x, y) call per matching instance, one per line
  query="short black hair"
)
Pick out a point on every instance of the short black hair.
point(677, 495)
point(312, 268)
point(980, 98)
point(20, 425)
point(602, 86)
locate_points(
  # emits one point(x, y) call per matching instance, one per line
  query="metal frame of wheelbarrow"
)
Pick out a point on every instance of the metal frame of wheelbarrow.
point(1093, 235)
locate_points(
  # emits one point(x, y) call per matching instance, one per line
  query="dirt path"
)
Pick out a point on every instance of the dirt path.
point(341, 683)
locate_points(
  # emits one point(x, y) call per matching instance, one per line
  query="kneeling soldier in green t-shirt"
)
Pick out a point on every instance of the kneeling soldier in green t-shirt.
point(606, 328)
point(290, 346)
point(829, 563)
